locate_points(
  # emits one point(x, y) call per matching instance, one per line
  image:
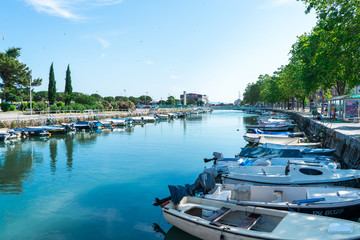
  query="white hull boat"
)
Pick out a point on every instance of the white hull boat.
point(293, 174)
point(214, 220)
point(255, 138)
point(337, 202)
point(287, 141)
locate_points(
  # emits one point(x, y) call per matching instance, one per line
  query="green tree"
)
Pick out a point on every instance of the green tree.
point(68, 87)
point(52, 86)
point(98, 97)
point(40, 96)
point(121, 98)
point(135, 100)
point(85, 99)
point(110, 99)
point(16, 76)
point(190, 101)
point(144, 99)
point(171, 100)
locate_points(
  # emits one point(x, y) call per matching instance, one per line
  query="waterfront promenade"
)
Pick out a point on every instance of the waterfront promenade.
point(349, 128)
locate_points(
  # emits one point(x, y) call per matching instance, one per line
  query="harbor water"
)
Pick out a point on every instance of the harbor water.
point(101, 185)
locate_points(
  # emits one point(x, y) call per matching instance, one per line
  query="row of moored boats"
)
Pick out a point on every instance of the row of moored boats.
point(63, 128)
point(272, 190)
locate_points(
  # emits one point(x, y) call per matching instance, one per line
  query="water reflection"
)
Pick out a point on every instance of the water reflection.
point(16, 165)
point(174, 233)
point(69, 143)
point(53, 153)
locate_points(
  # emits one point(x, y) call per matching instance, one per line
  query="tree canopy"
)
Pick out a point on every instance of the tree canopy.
point(16, 76)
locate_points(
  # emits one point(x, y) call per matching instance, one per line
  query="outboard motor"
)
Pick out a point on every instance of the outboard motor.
point(216, 155)
point(203, 184)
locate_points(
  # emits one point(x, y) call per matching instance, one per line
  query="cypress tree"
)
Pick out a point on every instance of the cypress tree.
point(52, 86)
point(68, 87)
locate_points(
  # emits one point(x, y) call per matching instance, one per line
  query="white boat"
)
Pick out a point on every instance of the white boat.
point(255, 138)
point(214, 220)
point(337, 202)
point(301, 142)
point(225, 165)
point(136, 120)
point(148, 119)
point(162, 116)
point(293, 173)
point(107, 123)
point(269, 127)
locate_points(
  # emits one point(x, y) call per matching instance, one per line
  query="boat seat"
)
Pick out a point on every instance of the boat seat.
point(218, 213)
point(277, 196)
point(250, 221)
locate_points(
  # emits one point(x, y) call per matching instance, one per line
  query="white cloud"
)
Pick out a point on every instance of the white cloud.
point(58, 8)
point(149, 62)
point(175, 77)
point(66, 8)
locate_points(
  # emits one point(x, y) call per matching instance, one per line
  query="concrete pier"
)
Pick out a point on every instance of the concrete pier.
point(344, 137)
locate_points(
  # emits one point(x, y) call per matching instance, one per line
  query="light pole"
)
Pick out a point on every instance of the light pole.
point(30, 96)
point(146, 98)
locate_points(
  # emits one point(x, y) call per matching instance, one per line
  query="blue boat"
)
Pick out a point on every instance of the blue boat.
point(303, 150)
point(292, 134)
point(32, 131)
point(79, 125)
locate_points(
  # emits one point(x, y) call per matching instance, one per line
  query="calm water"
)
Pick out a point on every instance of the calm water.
point(101, 185)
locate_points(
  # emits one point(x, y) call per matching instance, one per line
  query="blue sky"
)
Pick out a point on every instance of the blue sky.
point(159, 48)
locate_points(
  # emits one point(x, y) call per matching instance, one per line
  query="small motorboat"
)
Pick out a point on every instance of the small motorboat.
point(255, 138)
point(294, 173)
point(213, 220)
point(269, 127)
point(303, 150)
point(301, 142)
point(57, 129)
point(31, 131)
point(339, 202)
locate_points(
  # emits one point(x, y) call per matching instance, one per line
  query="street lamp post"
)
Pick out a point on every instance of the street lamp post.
point(30, 97)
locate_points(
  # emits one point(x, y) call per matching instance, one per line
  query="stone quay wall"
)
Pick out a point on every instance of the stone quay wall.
point(347, 146)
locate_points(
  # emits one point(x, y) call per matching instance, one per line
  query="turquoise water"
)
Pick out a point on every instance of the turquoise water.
point(101, 185)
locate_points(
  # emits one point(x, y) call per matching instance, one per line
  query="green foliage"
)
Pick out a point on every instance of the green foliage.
point(121, 98)
point(106, 104)
point(190, 101)
point(109, 99)
point(171, 101)
point(68, 87)
point(5, 106)
point(145, 100)
point(39, 106)
point(135, 100)
point(12, 108)
point(97, 97)
point(77, 106)
point(85, 99)
point(59, 104)
point(16, 76)
point(40, 96)
point(52, 86)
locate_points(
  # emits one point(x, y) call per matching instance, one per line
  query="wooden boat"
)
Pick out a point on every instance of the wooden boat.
point(293, 174)
point(337, 202)
point(214, 220)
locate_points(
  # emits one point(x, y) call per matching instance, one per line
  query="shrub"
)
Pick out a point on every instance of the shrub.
point(5, 106)
point(59, 104)
point(12, 108)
